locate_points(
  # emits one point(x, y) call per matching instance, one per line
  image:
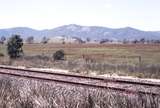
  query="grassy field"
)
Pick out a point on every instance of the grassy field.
point(107, 58)
point(150, 54)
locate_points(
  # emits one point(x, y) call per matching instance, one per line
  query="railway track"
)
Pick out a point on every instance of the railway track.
point(122, 85)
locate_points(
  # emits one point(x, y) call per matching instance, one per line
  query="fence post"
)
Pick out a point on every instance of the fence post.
point(140, 59)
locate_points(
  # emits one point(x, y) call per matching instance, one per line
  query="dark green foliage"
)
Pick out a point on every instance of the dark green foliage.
point(14, 46)
point(59, 55)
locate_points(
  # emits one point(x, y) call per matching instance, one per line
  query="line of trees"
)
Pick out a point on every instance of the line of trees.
point(136, 41)
point(29, 40)
point(44, 40)
point(143, 41)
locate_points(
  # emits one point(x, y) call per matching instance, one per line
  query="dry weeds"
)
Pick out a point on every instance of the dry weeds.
point(23, 93)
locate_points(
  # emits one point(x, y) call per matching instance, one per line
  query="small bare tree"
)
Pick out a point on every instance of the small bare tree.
point(44, 40)
point(30, 40)
point(3, 39)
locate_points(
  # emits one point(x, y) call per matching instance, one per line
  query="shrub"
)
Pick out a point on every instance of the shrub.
point(59, 55)
point(1, 55)
point(44, 40)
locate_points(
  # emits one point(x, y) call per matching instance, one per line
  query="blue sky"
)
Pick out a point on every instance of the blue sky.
point(47, 14)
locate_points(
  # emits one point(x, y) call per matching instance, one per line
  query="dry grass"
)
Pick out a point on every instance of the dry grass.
point(102, 59)
point(150, 53)
point(111, 53)
point(23, 93)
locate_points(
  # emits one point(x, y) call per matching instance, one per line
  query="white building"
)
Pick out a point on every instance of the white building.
point(62, 39)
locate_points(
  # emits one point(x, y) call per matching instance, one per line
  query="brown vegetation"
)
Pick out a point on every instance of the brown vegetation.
point(23, 93)
point(140, 60)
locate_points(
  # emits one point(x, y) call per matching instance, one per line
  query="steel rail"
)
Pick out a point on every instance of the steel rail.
point(81, 84)
point(116, 80)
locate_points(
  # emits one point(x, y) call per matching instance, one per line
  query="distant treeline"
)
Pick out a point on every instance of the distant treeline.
point(136, 41)
point(45, 40)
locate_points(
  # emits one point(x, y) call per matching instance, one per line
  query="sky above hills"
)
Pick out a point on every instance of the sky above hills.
point(46, 14)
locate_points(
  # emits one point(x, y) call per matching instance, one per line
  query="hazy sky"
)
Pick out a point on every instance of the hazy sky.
point(47, 14)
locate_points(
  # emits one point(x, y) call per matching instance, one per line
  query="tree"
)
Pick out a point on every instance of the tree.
point(14, 46)
point(79, 40)
point(3, 39)
point(157, 42)
point(30, 40)
point(142, 40)
point(135, 41)
point(125, 41)
point(88, 39)
point(44, 40)
point(104, 41)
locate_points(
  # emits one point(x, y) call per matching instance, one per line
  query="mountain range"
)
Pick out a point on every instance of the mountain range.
point(93, 32)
